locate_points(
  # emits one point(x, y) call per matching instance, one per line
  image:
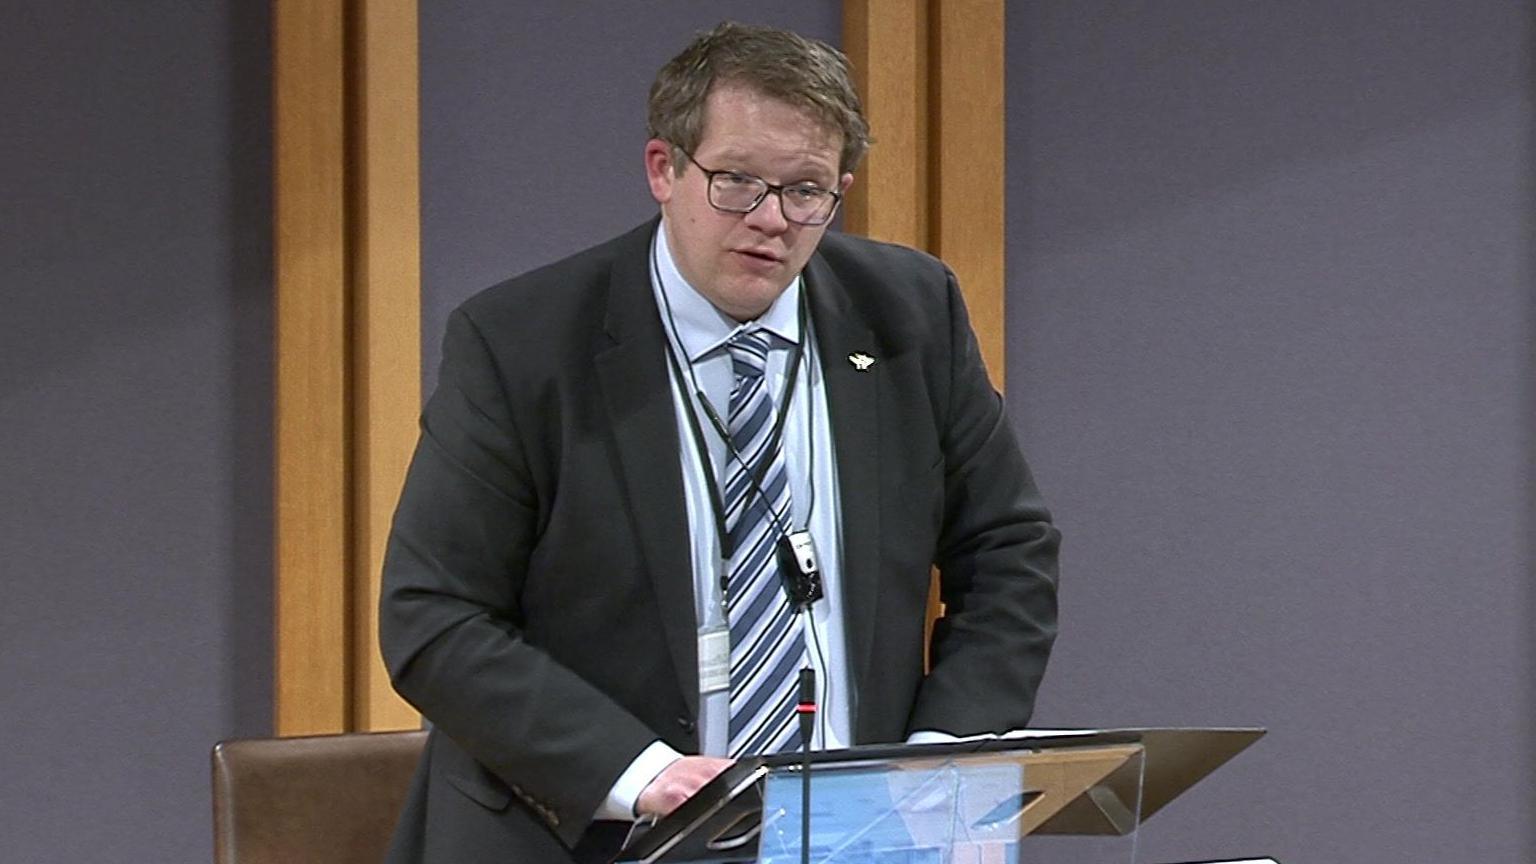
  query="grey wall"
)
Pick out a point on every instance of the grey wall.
point(1270, 329)
point(533, 127)
point(135, 393)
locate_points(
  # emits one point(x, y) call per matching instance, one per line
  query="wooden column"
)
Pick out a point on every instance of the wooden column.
point(386, 335)
point(347, 265)
point(887, 43)
point(309, 203)
point(930, 73)
point(966, 161)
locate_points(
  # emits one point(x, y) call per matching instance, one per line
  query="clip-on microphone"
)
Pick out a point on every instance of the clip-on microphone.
point(798, 569)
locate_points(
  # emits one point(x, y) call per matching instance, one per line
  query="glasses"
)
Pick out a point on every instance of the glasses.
point(735, 192)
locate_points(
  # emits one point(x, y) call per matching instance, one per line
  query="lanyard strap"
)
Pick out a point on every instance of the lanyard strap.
point(716, 505)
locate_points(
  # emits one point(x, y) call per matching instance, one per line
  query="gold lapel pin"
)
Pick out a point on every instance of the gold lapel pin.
point(861, 361)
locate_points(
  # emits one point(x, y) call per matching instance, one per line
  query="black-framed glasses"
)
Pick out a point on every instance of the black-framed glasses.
point(736, 192)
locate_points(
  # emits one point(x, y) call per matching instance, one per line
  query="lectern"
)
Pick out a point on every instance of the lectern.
point(1026, 796)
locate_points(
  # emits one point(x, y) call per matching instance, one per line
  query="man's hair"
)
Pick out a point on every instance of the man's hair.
point(806, 73)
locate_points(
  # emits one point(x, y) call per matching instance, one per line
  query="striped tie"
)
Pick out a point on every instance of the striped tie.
point(767, 646)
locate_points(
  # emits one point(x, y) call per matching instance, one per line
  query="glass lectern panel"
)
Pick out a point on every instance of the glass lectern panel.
point(990, 803)
point(978, 807)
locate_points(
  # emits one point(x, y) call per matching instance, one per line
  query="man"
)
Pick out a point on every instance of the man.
point(628, 449)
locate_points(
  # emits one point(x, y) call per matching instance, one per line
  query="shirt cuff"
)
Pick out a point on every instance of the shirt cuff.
point(620, 803)
point(930, 736)
point(934, 736)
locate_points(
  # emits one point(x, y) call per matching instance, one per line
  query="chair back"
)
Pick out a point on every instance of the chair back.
point(331, 798)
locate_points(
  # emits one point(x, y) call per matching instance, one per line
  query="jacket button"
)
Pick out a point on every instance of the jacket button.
point(687, 724)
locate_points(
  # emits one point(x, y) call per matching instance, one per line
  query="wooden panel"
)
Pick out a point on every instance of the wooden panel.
point(386, 333)
point(311, 638)
point(967, 168)
point(930, 73)
point(888, 50)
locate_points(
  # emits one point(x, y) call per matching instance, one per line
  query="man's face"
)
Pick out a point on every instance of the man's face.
point(742, 262)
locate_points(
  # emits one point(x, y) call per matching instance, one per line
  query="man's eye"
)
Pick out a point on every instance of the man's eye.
point(806, 193)
point(739, 179)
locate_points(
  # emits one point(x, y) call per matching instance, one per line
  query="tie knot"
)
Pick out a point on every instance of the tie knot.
point(749, 353)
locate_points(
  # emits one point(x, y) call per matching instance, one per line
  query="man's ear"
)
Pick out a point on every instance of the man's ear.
point(659, 169)
point(844, 183)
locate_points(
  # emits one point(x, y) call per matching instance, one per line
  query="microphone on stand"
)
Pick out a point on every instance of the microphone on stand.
point(807, 711)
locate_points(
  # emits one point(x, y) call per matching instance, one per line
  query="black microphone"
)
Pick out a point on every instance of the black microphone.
point(807, 711)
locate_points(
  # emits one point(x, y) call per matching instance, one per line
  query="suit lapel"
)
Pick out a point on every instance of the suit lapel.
point(853, 404)
point(638, 397)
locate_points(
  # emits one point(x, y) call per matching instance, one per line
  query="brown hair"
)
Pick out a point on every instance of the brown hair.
point(806, 73)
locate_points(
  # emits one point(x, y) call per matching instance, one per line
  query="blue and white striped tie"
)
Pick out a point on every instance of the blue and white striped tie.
point(767, 647)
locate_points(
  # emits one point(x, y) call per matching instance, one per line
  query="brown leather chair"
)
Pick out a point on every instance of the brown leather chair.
point(332, 798)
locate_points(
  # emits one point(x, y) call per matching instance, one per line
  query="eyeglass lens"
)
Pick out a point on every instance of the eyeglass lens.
point(742, 193)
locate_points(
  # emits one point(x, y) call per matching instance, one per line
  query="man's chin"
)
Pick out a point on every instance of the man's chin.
point(750, 299)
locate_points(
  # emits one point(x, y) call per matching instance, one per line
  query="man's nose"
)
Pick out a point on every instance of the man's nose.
point(768, 216)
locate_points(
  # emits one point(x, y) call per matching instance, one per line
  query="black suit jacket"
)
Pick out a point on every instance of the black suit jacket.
point(538, 601)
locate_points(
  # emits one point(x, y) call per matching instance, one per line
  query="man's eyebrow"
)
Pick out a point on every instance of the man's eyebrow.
point(803, 173)
point(731, 154)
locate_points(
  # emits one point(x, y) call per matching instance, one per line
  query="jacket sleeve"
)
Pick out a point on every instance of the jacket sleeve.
point(996, 553)
point(451, 623)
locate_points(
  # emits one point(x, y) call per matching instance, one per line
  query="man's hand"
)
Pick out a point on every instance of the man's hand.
point(677, 782)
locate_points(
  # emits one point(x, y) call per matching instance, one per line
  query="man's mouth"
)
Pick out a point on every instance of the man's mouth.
point(759, 255)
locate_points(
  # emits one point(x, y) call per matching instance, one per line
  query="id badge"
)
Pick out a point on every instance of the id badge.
point(714, 660)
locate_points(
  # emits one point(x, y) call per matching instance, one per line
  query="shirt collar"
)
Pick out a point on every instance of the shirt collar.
point(699, 326)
